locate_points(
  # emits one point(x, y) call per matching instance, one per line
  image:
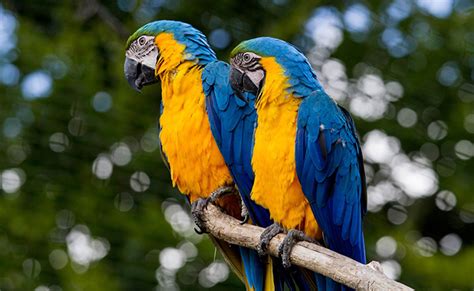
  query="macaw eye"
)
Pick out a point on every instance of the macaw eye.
point(246, 57)
point(141, 40)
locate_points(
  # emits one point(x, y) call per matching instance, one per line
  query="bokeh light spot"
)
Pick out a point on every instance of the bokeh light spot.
point(426, 246)
point(215, 273)
point(407, 117)
point(415, 178)
point(9, 74)
point(179, 219)
point(139, 181)
point(450, 244)
point(467, 213)
point(437, 130)
point(65, 219)
point(102, 102)
point(449, 74)
point(324, 27)
point(391, 269)
point(189, 250)
point(466, 92)
point(83, 249)
point(397, 214)
point(469, 123)
point(124, 202)
point(58, 142)
point(430, 151)
point(172, 258)
point(357, 18)
point(464, 149)
point(219, 38)
point(31, 268)
point(16, 154)
point(58, 259)
point(445, 200)
point(12, 127)
point(76, 126)
point(386, 247)
point(12, 180)
point(446, 167)
point(380, 148)
point(102, 167)
point(121, 154)
point(437, 8)
point(149, 141)
point(399, 9)
point(35, 85)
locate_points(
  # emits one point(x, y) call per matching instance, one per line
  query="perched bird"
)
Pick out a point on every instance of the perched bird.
point(205, 131)
point(306, 158)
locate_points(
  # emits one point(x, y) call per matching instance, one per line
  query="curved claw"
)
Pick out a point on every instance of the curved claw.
point(245, 220)
point(284, 250)
point(266, 236)
point(197, 210)
point(198, 230)
point(198, 207)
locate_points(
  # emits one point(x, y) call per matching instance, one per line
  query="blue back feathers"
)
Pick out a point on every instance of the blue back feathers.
point(197, 47)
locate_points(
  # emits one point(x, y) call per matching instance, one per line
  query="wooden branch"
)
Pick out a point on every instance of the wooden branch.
point(310, 256)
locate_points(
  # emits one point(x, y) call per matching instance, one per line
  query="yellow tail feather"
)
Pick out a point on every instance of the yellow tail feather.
point(269, 282)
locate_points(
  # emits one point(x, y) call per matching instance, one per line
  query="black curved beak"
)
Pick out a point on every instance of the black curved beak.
point(237, 83)
point(138, 75)
point(241, 83)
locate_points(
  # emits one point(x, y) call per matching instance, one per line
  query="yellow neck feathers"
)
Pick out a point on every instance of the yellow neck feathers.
point(276, 82)
point(196, 164)
point(276, 184)
point(171, 53)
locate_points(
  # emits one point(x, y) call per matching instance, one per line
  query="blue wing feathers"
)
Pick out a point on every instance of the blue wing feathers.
point(328, 162)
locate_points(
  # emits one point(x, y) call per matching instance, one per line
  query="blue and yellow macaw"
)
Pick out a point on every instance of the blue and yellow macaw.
point(306, 158)
point(232, 122)
point(205, 131)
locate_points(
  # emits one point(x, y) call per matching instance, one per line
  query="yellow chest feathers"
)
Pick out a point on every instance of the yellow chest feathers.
point(276, 184)
point(196, 164)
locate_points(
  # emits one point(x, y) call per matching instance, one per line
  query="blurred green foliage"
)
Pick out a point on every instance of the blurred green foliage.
point(86, 202)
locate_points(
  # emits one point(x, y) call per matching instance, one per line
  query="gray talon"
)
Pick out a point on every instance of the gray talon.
point(245, 219)
point(284, 250)
point(220, 192)
point(197, 210)
point(244, 213)
point(266, 236)
point(198, 207)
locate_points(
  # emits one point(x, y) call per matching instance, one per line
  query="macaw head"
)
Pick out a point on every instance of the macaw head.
point(162, 46)
point(254, 61)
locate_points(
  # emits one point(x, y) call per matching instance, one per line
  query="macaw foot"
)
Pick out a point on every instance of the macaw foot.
point(197, 210)
point(286, 246)
point(244, 213)
point(266, 236)
point(198, 207)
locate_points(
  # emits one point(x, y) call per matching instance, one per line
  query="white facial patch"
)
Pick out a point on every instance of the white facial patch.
point(144, 51)
point(256, 76)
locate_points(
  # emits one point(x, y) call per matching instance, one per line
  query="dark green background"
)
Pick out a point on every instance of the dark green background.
point(79, 46)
